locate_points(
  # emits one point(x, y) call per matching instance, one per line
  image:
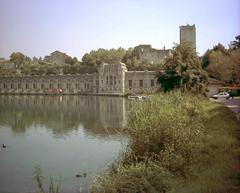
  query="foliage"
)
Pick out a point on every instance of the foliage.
point(183, 71)
point(222, 66)
point(236, 43)
point(185, 144)
point(95, 58)
point(19, 59)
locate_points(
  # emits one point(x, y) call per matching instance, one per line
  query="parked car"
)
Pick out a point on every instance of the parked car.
point(221, 95)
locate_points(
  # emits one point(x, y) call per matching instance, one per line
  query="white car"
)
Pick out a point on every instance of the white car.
point(221, 95)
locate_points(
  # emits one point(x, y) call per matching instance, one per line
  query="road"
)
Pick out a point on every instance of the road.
point(234, 105)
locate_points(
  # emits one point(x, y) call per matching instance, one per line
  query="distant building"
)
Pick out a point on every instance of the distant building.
point(151, 55)
point(188, 34)
point(57, 58)
point(6, 64)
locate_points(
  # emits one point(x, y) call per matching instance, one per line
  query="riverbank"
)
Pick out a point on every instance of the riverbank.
point(179, 143)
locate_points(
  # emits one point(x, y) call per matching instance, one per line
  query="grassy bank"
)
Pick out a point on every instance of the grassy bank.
point(179, 143)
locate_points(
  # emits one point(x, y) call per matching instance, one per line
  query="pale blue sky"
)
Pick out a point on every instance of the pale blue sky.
point(39, 27)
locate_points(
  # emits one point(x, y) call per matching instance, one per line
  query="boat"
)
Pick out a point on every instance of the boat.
point(135, 97)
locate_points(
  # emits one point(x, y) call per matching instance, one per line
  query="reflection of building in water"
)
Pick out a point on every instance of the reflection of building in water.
point(111, 79)
point(112, 112)
point(98, 115)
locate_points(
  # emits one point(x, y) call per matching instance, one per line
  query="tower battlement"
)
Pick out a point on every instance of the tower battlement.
point(188, 34)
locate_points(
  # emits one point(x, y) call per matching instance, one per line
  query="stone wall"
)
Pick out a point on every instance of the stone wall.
point(147, 53)
point(140, 82)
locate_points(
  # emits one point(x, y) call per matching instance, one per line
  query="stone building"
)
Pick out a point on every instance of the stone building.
point(151, 55)
point(57, 58)
point(6, 64)
point(111, 79)
point(188, 34)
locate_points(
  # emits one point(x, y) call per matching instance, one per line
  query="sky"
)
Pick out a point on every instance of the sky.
point(75, 27)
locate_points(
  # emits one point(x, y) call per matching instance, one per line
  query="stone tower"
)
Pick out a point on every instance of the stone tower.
point(188, 34)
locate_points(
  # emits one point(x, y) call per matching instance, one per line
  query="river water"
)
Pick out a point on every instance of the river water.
point(63, 135)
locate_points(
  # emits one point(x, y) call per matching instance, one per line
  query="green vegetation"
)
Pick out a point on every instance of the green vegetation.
point(23, 65)
point(185, 144)
point(236, 43)
point(223, 64)
point(183, 70)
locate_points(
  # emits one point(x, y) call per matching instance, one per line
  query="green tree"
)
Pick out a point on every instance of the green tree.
point(69, 60)
point(183, 70)
point(96, 57)
point(206, 57)
point(223, 64)
point(236, 43)
point(19, 59)
point(219, 66)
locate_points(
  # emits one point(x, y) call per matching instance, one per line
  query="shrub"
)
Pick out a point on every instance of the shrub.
point(178, 142)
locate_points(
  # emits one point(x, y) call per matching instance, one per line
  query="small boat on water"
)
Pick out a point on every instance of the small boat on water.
point(135, 97)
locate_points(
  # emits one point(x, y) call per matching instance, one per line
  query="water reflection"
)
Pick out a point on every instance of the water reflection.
point(65, 135)
point(98, 115)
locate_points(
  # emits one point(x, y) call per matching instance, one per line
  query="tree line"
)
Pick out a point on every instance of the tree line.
point(24, 65)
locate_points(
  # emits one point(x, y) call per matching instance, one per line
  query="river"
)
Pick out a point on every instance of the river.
point(66, 136)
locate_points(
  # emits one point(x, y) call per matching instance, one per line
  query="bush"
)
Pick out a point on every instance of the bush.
point(179, 143)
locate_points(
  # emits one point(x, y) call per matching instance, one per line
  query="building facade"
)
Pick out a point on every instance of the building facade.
point(111, 79)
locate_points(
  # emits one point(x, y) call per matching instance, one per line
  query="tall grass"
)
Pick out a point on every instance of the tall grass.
point(179, 143)
point(40, 183)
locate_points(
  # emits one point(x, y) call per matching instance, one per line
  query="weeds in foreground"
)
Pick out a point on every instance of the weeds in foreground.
point(40, 182)
point(179, 143)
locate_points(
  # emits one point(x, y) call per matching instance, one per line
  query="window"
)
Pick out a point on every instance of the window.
point(68, 85)
point(77, 86)
point(141, 83)
point(26, 86)
point(12, 86)
point(42, 85)
point(152, 83)
point(59, 85)
point(4, 85)
point(107, 80)
point(50, 85)
point(34, 85)
point(111, 80)
point(19, 86)
point(115, 80)
point(130, 83)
